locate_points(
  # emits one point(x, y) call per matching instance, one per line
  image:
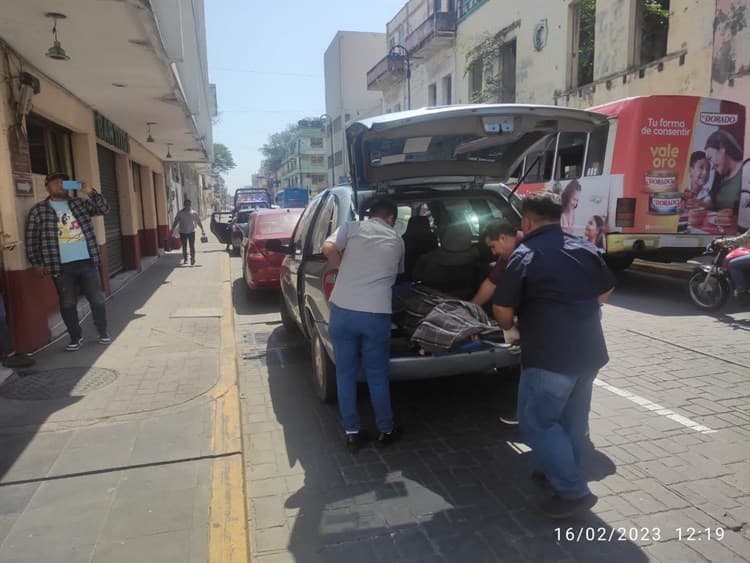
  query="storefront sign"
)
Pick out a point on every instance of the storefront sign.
point(111, 133)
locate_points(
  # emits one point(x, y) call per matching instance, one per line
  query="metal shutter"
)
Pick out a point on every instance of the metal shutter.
point(108, 180)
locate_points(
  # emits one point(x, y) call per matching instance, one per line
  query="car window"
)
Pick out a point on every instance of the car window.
point(277, 224)
point(475, 212)
point(303, 226)
point(325, 225)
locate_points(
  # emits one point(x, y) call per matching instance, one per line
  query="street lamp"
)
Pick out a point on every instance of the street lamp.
point(401, 51)
point(329, 125)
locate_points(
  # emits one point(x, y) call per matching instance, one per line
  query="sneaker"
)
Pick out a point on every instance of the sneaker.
point(74, 346)
point(557, 507)
point(355, 440)
point(385, 439)
point(19, 361)
point(192, 261)
point(105, 338)
point(510, 420)
point(184, 260)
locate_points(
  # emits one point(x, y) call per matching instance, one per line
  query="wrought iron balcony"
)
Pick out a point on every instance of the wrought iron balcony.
point(386, 72)
point(437, 31)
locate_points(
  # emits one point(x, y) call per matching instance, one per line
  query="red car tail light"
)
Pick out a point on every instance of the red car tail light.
point(329, 280)
point(254, 253)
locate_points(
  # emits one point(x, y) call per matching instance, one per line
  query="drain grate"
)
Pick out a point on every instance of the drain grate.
point(56, 384)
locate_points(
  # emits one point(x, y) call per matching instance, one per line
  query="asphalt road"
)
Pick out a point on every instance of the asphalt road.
point(669, 430)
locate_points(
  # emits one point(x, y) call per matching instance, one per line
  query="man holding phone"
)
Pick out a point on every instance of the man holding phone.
point(61, 243)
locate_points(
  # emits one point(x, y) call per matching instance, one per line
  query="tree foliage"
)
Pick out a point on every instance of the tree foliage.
point(223, 160)
point(276, 149)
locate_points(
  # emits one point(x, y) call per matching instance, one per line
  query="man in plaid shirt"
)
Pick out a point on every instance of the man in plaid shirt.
point(61, 243)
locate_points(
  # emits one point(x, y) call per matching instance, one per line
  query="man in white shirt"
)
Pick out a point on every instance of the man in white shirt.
point(187, 219)
point(369, 254)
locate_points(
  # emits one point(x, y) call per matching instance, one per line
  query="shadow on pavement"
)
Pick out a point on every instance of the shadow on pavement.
point(456, 488)
point(254, 302)
point(21, 418)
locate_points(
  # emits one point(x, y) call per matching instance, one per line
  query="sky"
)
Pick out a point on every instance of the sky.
point(266, 59)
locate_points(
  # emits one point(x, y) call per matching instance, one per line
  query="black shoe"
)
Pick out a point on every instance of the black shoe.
point(385, 439)
point(355, 441)
point(558, 508)
point(192, 261)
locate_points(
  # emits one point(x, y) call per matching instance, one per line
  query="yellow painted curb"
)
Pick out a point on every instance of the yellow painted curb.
point(228, 540)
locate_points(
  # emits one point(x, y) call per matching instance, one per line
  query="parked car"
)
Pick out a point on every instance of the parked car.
point(432, 162)
point(260, 266)
point(221, 226)
point(240, 221)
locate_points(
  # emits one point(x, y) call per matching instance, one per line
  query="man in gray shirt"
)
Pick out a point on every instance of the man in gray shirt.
point(369, 254)
point(187, 219)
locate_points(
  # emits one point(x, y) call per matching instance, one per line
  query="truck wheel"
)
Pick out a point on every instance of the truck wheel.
point(324, 372)
point(287, 321)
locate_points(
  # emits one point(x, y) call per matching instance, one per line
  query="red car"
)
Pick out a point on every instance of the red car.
point(260, 267)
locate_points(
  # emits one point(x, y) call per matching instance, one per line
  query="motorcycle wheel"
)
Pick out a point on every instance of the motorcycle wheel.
point(711, 297)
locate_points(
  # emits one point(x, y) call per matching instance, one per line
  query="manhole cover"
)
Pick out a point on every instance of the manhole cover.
point(55, 384)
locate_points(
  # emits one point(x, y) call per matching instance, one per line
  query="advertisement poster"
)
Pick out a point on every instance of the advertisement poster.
point(681, 158)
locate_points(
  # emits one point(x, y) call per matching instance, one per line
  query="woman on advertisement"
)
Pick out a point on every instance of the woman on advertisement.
point(725, 157)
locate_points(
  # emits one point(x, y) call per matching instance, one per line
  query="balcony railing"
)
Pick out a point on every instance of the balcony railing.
point(466, 7)
point(439, 24)
point(390, 68)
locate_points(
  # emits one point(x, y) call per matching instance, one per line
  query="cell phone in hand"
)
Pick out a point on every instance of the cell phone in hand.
point(71, 185)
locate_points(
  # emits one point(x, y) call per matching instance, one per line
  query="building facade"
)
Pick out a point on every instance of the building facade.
point(117, 115)
point(347, 59)
point(578, 53)
point(418, 65)
point(306, 163)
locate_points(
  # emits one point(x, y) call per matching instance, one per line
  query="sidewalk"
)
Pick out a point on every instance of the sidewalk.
point(116, 453)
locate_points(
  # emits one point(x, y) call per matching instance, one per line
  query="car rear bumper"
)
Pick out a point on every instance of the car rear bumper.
point(429, 367)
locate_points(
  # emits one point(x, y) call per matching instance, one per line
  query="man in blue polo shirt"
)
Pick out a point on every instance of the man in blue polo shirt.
point(556, 284)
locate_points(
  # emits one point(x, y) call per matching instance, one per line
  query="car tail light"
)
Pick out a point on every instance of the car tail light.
point(329, 280)
point(625, 212)
point(254, 253)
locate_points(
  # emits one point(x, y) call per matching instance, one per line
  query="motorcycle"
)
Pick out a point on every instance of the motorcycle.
point(709, 285)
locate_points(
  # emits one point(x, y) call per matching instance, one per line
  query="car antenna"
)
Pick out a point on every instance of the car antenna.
point(538, 156)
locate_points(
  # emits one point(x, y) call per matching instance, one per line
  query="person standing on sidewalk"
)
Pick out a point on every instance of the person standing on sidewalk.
point(369, 255)
point(60, 242)
point(187, 219)
point(556, 284)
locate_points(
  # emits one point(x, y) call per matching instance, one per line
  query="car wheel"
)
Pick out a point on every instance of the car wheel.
point(324, 371)
point(287, 321)
point(250, 291)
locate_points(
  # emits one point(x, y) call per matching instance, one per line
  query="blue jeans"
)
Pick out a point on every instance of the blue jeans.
point(81, 275)
point(553, 412)
point(739, 270)
point(362, 341)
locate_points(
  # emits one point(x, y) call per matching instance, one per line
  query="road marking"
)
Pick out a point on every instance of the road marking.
point(228, 525)
point(655, 407)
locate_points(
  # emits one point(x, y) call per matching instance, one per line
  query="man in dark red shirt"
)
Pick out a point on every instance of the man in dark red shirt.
point(500, 236)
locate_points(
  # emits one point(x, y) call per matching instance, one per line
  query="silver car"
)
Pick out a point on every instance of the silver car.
point(433, 163)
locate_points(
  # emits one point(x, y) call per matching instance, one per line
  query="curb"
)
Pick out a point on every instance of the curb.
point(228, 540)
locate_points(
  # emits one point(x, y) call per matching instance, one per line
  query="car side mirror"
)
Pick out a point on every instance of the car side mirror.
point(274, 245)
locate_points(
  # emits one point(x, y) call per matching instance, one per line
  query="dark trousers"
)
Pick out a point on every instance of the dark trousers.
point(82, 276)
point(188, 238)
point(6, 338)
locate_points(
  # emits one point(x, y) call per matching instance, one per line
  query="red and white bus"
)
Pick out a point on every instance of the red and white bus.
point(659, 181)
